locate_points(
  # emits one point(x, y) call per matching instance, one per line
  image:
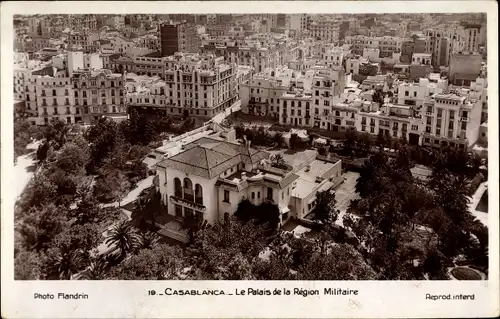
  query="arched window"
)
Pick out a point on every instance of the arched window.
point(198, 194)
point(188, 189)
point(177, 187)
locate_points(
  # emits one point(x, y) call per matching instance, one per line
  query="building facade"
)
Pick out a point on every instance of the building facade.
point(178, 37)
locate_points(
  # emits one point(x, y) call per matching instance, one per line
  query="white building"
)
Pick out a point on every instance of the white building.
point(210, 177)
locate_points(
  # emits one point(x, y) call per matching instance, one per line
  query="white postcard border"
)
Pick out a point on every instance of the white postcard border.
point(123, 299)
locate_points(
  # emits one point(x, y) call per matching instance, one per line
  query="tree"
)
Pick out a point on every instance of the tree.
point(240, 130)
point(111, 185)
point(123, 237)
point(294, 141)
point(72, 157)
point(21, 137)
point(27, 266)
point(370, 174)
point(138, 152)
point(41, 225)
point(342, 262)
point(97, 268)
point(322, 150)
point(162, 262)
point(325, 208)
point(226, 250)
point(40, 191)
point(42, 151)
point(278, 139)
point(378, 97)
point(148, 240)
point(107, 145)
point(351, 137)
point(62, 264)
point(382, 140)
point(57, 132)
point(278, 161)
point(245, 211)
point(83, 238)
point(87, 211)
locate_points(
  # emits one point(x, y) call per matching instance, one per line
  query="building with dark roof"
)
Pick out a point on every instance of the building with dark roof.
point(210, 177)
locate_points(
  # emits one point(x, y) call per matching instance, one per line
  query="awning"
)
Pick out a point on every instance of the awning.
point(284, 209)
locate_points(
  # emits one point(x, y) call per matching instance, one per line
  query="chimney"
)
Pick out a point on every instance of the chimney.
point(243, 175)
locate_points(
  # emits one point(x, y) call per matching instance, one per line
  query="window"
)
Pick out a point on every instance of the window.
point(198, 194)
point(253, 195)
point(177, 187)
point(407, 93)
point(258, 195)
point(440, 112)
point(269, 193)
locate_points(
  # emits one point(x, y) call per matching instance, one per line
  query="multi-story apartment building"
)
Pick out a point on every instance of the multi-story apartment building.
point(307, 105)
point(83, 41)
point(386, 45)
point(325, 30)
point(194, 85)
point(396, 121)
point(334, 56)
point(415, 94)
point(299, 23)
point(252, 52)
point(451, 119)
point(479, 91)
point(464, 68)
point(472, 37)
point(178, 37)
point(261, 94)
point(83, 21)
point(97, 93)
point(442, 42)
point(389, 45)
point(53, 99)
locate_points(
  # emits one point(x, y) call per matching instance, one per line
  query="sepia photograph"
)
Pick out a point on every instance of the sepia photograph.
point(250, 147)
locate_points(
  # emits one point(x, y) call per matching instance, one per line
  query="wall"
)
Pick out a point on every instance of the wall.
point(464, 65)
point(209, 191)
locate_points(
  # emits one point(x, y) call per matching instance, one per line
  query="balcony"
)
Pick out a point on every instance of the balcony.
point(464, 119)
point(187, 203)
point(428, 113)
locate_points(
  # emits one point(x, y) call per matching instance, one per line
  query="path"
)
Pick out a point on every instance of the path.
point(22, 174)
point(344, 194)
point(221, 116)
point(133, 194)
point(474, 200)
point(103, 248)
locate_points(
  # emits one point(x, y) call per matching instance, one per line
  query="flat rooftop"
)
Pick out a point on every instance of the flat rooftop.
point(306, 182)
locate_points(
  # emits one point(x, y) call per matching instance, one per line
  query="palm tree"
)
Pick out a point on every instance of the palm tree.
point(148, 240)
point(124, 237)
point(96, 269)
point(65, 263)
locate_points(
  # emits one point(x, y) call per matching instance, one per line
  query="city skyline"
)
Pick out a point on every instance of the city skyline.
point(174, 133)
